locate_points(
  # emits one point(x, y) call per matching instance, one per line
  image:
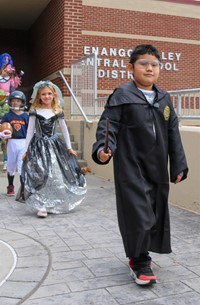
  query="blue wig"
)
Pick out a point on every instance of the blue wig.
point(3, 59)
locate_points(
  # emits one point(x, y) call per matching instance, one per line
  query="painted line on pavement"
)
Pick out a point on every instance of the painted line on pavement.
point(14, 261)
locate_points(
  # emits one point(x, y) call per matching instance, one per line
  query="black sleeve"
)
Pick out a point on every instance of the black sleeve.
point(178, 163)
point(114, 116)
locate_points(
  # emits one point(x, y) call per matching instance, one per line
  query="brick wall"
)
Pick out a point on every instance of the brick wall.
point(73, 19)
point(131, 22)
point(158, 27)
point(56, 38)
point(47, 36)
point(59, 35)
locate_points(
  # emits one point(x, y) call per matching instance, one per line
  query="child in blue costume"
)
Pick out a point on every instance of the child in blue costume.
point(52, 179)
point(16, 144)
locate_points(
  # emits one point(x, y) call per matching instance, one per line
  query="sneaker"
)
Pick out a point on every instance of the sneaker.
point(42, 213)
point(10, 190)
point(143, 275)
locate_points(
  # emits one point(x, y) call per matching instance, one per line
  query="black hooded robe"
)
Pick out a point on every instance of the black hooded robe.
point(142, 137)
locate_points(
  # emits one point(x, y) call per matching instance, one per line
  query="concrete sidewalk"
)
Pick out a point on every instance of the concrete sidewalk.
point(78, 258)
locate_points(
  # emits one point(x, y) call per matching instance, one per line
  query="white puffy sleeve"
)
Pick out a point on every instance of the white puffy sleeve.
point(65, 132)
point(30, 130)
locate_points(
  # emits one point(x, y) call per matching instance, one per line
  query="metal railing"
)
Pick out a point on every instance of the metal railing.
point(75, 99)
point(84, 93)
point(84, 83)
point(186, 103)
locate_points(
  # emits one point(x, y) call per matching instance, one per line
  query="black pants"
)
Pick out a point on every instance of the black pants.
point(142, 261)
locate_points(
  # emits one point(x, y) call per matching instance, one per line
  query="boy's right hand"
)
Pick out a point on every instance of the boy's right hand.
point(103, 157)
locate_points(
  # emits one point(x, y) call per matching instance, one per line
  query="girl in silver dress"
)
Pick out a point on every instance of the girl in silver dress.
point(52, 181)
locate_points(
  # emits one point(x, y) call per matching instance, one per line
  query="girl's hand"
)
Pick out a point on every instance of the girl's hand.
point(24, 156)
point(72, 152)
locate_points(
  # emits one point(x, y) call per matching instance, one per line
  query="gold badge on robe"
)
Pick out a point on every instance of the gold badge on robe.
point(166, 113)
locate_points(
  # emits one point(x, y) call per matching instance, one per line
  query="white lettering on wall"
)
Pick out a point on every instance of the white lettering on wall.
point(106, 58)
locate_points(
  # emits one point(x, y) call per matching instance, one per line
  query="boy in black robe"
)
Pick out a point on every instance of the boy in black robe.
point(143, 135)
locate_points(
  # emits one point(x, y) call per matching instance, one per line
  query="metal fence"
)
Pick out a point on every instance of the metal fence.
point(186, 103)
point(84, 84)
point(84, 93)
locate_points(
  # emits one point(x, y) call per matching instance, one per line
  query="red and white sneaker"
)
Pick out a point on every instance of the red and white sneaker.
point(10, 190)
point(143, 275)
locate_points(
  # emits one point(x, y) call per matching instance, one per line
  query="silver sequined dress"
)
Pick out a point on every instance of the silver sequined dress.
point(52, 178)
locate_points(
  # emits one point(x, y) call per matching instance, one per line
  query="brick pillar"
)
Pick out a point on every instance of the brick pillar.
point(73, 48)
point(72, 31)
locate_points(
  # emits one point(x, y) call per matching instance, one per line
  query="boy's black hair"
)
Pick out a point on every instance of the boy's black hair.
point(143, 49)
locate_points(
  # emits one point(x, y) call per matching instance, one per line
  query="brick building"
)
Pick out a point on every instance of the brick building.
point(61, 31)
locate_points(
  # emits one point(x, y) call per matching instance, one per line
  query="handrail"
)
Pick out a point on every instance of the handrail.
point(178, 93)
point(181, 95)
point(184, 91)
point(74, 98)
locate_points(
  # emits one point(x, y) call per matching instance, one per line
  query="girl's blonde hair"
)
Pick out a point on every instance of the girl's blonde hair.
point(37, 103)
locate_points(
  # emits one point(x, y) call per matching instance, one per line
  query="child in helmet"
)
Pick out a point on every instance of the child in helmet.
point(16, 144)
point(4, 108)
